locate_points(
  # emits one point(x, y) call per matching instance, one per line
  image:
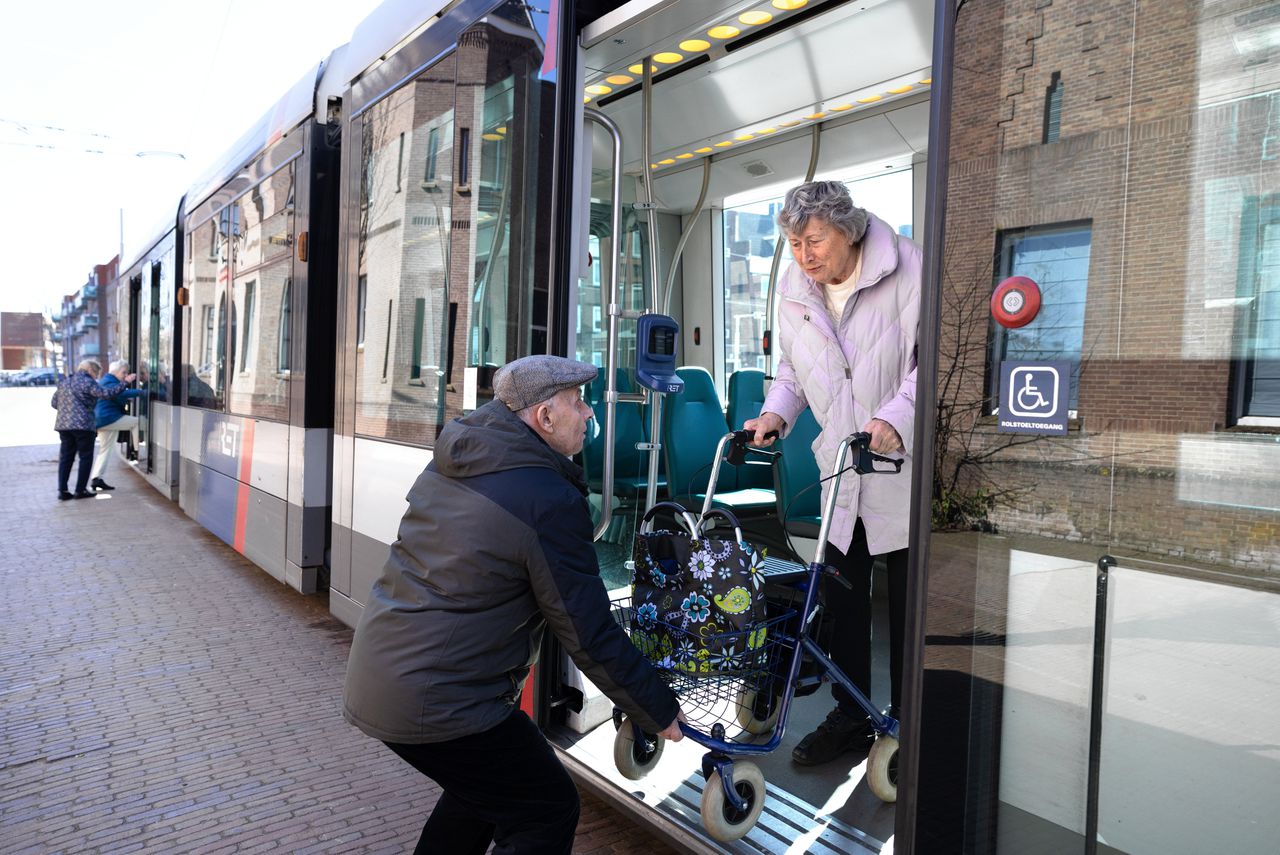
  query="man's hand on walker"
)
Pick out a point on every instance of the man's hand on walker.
point(766, 423)
point(884, 439)
point(671, 732)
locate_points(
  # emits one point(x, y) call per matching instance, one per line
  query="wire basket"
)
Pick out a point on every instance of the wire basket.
point(714, 675)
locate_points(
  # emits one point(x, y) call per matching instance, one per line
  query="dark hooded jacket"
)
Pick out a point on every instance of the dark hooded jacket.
point(496, 545)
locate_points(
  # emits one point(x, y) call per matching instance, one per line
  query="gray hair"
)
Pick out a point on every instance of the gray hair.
point(118, 365)
point(91, 366)
point(827, 200)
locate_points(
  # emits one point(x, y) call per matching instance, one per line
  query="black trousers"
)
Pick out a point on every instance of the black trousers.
point(849, 609)
point(504, 786)
point(75, 442)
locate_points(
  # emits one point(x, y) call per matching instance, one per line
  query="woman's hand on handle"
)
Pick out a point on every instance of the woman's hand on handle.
point(884, 438)
point(766, 423)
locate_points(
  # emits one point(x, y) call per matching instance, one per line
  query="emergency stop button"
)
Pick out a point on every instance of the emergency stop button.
point(1015, 302)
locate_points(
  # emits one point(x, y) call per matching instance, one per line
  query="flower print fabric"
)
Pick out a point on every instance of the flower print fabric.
point(695, 602)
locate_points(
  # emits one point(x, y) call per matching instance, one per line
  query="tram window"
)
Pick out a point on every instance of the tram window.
point(205, 349)
point(263, 265)
point(404, 260)
point(1057, 259)
point(1257, 392)
point(284, 342)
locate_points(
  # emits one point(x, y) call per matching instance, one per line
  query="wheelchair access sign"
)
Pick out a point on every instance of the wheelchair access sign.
point(1033, 397)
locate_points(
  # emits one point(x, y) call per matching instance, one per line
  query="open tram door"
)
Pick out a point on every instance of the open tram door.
point(677, 172)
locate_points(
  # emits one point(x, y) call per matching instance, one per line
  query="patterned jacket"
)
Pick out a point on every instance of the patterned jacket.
point(74, 399)
point(494, 548)
point(863, 369)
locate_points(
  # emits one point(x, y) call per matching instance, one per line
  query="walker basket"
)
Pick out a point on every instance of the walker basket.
point(710, 673)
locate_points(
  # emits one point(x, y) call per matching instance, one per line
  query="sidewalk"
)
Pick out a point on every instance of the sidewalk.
point(159, 693)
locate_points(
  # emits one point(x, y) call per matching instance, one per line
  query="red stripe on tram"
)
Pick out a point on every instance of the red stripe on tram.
point(242, 492)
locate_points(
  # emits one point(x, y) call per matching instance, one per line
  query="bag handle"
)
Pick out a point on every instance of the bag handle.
point(727, 515)
point(684, 517)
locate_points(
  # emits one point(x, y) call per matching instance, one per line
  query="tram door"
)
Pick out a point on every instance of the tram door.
point(746, 100)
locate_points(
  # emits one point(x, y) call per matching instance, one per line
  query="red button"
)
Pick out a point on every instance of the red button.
point(1015, 302)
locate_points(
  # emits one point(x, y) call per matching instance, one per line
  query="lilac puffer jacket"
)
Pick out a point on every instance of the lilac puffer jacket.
point(866, 369)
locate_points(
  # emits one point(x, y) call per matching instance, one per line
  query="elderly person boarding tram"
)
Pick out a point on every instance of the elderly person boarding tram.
point(110, 419)
point(847, 316)
point(495, 546)
point(74, 400)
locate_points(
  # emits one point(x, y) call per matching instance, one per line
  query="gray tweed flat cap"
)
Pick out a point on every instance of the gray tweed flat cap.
point(533, 379)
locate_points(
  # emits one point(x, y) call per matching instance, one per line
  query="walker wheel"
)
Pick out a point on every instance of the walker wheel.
point(882, 769)
point(749, 713)
point(720, 818)
point(635, 759)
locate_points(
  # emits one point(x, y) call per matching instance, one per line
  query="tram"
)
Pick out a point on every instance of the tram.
point(465, 183)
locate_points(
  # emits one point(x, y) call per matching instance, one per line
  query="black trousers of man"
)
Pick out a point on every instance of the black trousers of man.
point(75, 442)
point(849, 610)
point(504, 786)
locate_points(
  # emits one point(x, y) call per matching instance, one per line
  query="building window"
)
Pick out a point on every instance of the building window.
point(1056, 258)
point(1256, 375)
point(1053, 108)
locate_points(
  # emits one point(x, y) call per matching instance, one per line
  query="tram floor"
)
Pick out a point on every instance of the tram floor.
point(832, 792)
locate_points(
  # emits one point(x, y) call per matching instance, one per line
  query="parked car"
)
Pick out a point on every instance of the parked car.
point(37, 377)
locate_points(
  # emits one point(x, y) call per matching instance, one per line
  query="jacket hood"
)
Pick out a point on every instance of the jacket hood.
point(493, 439)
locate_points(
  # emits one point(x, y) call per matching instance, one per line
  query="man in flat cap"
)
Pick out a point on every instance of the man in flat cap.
point(495, 546)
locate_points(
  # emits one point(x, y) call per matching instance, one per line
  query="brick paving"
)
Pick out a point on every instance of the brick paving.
point(159, 693)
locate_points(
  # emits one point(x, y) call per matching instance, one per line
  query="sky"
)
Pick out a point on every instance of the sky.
point(86, 86)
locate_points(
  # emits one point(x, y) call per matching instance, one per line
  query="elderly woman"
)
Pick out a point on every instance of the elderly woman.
point(74, 400)
point(847, 316)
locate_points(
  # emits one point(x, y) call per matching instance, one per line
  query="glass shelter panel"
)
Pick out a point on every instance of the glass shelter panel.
point(1100, 646)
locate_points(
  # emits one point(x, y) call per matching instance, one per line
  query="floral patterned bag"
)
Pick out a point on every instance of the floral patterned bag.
point(696, 601)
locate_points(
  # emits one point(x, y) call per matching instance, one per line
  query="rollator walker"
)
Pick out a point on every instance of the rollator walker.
point(749, 676)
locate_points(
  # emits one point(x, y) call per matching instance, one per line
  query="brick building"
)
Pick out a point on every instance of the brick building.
point(1125, 158)
point(23, 341)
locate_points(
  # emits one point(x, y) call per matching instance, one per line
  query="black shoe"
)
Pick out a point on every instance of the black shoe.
point(839, 734)
point(99, 484)
point(63, 495)
point(84, 494)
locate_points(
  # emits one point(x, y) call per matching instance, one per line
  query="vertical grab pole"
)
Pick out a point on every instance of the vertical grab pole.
point(611, 351)
point(1105, 563)
point(655, 299)
point(814, 150)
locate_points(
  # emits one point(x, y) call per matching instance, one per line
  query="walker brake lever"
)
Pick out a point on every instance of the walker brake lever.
point(865, 463)
point(739, 446)
point(835, 575)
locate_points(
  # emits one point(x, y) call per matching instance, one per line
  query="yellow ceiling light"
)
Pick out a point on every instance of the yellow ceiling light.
point(755, 19)
point(639, 69)
point(599, 89)
point(694, 45)
point(764, 131)
point(653, 166)
point(668, 57)
point(744, 137)
point(502, 129)
point(839, 108)
point(724, 143)
point(723, 31)
point(898, 90)
point(620, 79)
point(926, 81)
point(789, 5)
point(667, 161)
point(815, 116)
point(492, 137)
point(704, 150)
point(870, 99)
point(586, 99)
point(790, 124)
point(685, 156)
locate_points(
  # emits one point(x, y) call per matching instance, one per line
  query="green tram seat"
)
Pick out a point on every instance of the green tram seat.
point(746, 397)
point(796, 470)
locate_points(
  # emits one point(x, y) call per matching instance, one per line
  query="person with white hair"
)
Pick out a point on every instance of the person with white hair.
point(848, 321)
point(110, 419)
point(74, 400)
